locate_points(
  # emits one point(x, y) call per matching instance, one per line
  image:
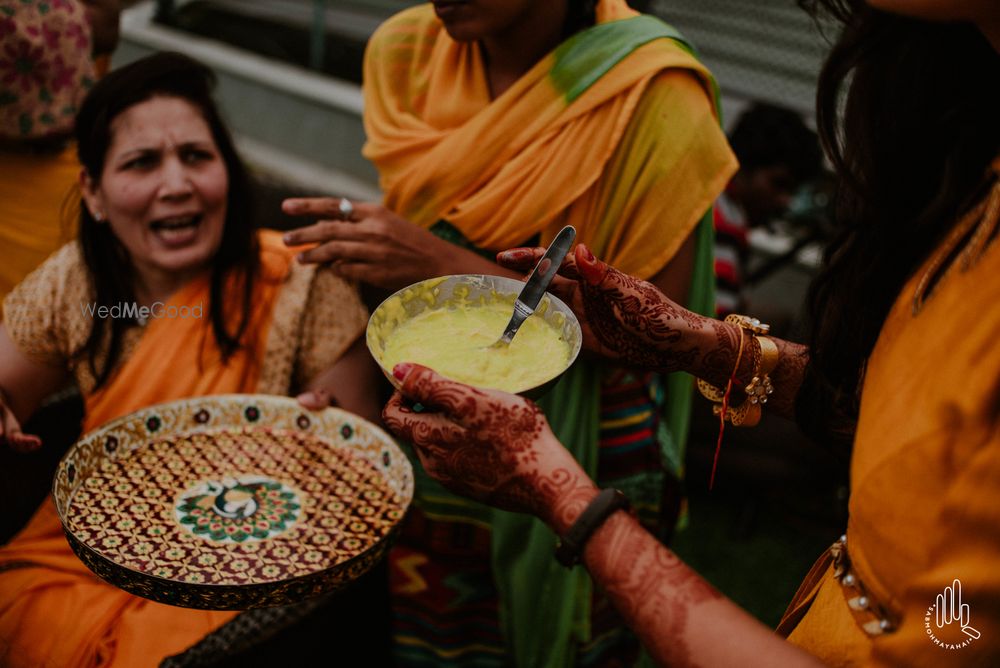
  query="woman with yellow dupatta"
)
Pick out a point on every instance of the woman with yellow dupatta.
point(495, 123)
point(165, 225)
point(903, 368)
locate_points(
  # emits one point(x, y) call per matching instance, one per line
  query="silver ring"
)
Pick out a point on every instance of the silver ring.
point(346, 208)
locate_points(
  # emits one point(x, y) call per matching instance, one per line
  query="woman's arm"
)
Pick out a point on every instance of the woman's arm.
point(498, 448)
point(679, 618)
point(630, 320)
point(378, 247)
point(23, 385)
point(352, 383)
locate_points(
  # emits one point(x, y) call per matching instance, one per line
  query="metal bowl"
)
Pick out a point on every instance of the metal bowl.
point(467, 291)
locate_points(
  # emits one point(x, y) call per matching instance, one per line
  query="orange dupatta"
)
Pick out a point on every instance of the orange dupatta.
point(177, 357)
point(41, 580)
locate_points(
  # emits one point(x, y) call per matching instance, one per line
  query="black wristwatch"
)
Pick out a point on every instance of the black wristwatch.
point(569, 549)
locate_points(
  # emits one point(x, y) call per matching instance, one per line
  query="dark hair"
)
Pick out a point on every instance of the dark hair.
point(770, 136)
point(919, 128)
point(108, 262)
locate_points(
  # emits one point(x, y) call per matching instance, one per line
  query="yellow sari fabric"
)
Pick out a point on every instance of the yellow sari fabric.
point(535, 158)
point(35, 190)
point(43, 585)
point(925, 483)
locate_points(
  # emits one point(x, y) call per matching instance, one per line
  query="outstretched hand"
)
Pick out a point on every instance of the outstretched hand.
point(623, 318)
point(10, 431)
point(488, 445)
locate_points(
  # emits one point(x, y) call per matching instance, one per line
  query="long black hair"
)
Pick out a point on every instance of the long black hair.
point(907, 111)
point(108, 262)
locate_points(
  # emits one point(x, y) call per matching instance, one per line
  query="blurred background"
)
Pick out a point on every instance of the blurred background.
point(289, 83)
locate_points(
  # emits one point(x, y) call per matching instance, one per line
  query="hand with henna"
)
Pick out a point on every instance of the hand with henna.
point(488, 445)
point(498, 448)
point(629, 320)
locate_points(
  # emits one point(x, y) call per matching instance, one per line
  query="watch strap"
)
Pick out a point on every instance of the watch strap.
point(570, 547)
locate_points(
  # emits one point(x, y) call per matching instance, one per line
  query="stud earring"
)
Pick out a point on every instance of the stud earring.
point(98, 216)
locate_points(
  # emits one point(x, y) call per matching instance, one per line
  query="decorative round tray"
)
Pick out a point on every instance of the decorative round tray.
point(232, 502)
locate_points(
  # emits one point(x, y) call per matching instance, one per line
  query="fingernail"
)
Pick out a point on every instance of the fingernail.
point(590, 268)
point(401, 369)
point(515, 255)
point(301, 257)
point(287, 239)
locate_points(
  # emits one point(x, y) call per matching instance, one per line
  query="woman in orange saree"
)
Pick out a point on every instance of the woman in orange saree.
point(164, 225)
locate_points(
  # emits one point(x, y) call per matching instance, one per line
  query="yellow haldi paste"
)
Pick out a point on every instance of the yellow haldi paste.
point(455, 343)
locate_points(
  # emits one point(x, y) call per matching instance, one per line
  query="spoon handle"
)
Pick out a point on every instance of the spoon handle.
point(538, 281)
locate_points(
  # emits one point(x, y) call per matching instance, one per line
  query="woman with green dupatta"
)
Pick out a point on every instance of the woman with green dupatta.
point(493, 123)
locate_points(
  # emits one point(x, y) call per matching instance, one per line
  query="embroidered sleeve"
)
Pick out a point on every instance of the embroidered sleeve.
point(46, 314)
point(334, 318)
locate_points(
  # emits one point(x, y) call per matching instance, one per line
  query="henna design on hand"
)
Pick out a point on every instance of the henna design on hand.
point(632, 320)
point(490, 446)
point(629, 320)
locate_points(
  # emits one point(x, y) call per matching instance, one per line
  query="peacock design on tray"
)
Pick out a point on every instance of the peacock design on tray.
point(238, 508)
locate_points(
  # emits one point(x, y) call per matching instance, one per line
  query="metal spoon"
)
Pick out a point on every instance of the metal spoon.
point(538, 281)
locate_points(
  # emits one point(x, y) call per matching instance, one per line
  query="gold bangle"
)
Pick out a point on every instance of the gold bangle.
point(709, 391)
point(760, 387)
point(746, 322)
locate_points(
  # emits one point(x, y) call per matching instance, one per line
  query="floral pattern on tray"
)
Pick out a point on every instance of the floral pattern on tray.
point(232, 502)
